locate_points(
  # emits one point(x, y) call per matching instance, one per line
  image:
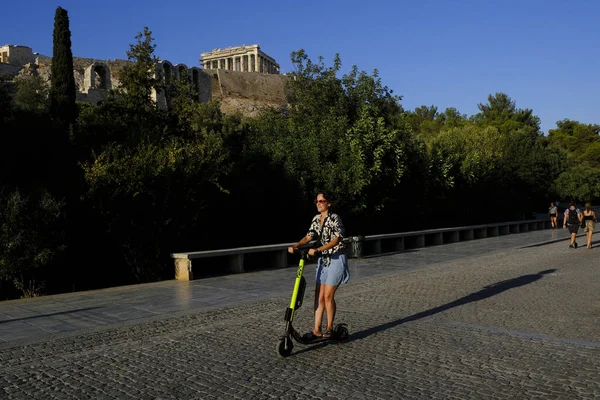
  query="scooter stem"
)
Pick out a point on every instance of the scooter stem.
point(296, 288)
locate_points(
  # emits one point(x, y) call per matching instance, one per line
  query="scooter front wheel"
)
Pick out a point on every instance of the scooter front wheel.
point(285, 346)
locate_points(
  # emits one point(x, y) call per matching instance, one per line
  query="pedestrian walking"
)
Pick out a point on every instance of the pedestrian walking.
point(572, 220)
point(589, 223)
point(553, 213)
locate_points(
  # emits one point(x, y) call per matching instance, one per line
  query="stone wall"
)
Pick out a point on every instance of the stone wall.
point(247, 92)
point(9, 71)
point(16, 55)
point(239, 92)
point(89, 73)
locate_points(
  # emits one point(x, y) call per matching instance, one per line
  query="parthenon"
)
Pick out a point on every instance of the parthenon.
point(240, 58)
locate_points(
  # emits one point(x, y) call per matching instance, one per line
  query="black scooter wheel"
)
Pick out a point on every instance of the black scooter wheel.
point(341, 332)
point(285, 346)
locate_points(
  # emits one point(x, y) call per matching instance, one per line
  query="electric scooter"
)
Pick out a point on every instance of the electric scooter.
point(285, 344)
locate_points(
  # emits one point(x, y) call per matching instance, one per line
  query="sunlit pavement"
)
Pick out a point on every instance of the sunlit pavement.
point(504, 317)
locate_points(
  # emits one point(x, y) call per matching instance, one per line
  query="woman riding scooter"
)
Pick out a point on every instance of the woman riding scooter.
point(332, 265)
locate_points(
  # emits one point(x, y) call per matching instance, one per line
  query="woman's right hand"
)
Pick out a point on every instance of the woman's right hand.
point(291, 250)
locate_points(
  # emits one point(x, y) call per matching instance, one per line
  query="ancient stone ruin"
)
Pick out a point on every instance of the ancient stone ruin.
point(241, 58)
point(248, 80)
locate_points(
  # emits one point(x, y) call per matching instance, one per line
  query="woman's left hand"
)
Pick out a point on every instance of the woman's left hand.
point(311, 252)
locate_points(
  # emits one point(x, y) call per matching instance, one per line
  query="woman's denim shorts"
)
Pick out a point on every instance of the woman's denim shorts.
point(336, 273)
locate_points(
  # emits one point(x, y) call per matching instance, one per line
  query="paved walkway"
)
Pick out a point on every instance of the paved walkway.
point(515, 316)
point(44, 316)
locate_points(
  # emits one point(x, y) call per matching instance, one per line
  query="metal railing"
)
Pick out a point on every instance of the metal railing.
point(275, 255)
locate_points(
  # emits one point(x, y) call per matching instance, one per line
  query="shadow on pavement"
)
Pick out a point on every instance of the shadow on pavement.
point(486, 292)
point(391, 253)
point(49, 315)
point(565, 239)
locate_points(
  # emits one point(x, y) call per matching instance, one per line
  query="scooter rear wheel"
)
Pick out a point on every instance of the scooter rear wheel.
point(285, 346)
point(341, 332)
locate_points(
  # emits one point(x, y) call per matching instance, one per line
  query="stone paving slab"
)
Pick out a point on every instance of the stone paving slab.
point(39, 317)
point(509, 322)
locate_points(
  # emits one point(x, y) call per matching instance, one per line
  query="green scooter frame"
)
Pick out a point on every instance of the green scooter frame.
point(285, 344)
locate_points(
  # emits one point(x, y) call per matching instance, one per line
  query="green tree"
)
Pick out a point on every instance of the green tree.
point(346, 135)
point(153, 175)
point(423, 121)
point(7, 89)
point(31, 240)
point(62, 88)
point(32, 93)
point(451, 118)
point(581, 182)
point(502, 113)
point(466, 156)
point(580, 142)
point(428, 122)
point(138, 79)
point(527, 171)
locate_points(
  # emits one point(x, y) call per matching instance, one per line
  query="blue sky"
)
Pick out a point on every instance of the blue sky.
point(543, 54)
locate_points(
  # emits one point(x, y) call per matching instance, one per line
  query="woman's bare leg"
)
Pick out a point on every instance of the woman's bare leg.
point(329, 292)
point(319, 308)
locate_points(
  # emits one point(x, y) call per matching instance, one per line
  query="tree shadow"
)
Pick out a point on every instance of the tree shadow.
point(486, 292)
point(48, 315)
point(391, 253)
point(565, 239)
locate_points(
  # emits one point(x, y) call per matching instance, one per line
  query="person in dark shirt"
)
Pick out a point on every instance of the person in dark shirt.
point(572, 219)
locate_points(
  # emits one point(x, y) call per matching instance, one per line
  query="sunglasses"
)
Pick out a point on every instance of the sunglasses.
point(320, 201)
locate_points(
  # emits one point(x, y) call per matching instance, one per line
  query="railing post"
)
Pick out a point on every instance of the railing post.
point(436, 239)
point(480, 233)
point(376, 246)
point(236, 263)
point(451, 237)
point(492, 231)
point(356, 246)
point(183, 269)
point(280, 259)
point(417, 241)
point(399, 244)
point(467, 234)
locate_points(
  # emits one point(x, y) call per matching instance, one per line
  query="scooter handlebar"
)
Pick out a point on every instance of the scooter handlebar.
point(304, 252)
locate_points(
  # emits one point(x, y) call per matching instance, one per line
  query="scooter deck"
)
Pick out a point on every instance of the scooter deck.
point(302, 340)
point(318, 339)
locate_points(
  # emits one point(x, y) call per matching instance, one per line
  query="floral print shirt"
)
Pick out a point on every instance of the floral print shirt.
point(332, 227)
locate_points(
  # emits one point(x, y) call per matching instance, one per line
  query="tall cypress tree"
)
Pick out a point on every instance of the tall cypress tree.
point(63, 177)
point(62, 91)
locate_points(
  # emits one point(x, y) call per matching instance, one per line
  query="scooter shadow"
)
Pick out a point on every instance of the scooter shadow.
point(312, 347)
point(487, 292)
point(318, 345)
